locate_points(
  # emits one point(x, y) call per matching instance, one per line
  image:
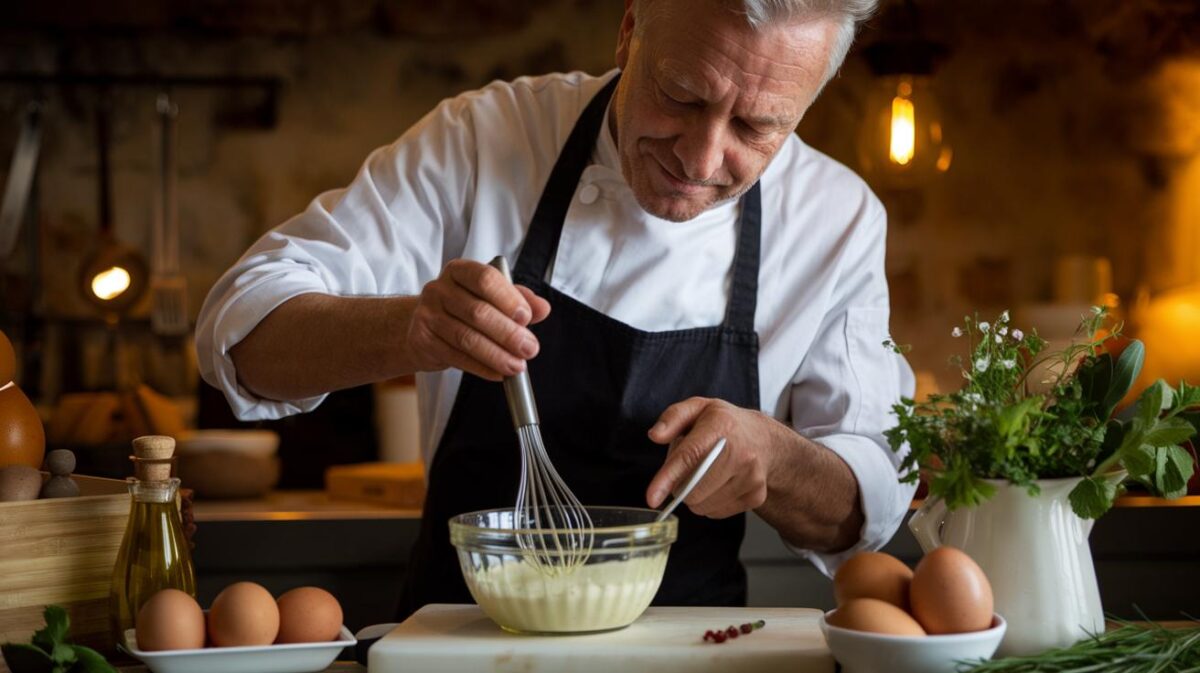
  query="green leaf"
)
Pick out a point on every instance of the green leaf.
point(1128, 366)
point(63, 655)
point(1173, 468)
point(1140, 461)
point(91, 661)
point(1150, 404)
point(1092, 497)
point(26, 658)
point(1169, 432)
point(1187, 396)
point(55, 631)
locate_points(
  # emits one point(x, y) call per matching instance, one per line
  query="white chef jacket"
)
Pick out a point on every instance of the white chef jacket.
point(463, 183)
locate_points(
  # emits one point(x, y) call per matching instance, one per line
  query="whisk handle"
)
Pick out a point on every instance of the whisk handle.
point(517, 389)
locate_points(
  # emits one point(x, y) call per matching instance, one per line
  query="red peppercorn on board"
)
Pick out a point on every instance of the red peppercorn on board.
point(453, 638)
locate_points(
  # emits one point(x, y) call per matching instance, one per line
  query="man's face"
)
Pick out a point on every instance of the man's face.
point(705, 101)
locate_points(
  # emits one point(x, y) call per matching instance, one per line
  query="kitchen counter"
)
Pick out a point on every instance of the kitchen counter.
point(359, 551)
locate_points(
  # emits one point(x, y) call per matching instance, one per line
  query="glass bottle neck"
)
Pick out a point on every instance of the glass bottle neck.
point(153, 491)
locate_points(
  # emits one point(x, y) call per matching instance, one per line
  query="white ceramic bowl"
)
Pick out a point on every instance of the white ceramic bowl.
point(291, 658)
point(865, 652)
point(258, 443)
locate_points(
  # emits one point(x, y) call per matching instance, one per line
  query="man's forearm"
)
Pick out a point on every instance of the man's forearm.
point(812, 496)
point(317, 343)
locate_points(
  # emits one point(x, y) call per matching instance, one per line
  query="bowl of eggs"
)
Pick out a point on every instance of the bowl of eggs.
point(246, 630)
point(609, 590)
point(900, 620)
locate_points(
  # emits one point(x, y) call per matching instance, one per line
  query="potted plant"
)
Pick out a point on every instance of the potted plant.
point(1018, 469)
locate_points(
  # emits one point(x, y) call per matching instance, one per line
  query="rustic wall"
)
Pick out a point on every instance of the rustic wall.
point(1075, 128)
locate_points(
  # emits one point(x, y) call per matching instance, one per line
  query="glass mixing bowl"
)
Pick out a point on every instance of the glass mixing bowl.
point(609, 591)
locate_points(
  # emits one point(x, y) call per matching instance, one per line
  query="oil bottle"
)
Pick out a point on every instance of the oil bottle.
point(154, 553)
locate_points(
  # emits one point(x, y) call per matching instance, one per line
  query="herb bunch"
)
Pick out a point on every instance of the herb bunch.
point(997, 427)
point(1130, 648)
point(51, 650)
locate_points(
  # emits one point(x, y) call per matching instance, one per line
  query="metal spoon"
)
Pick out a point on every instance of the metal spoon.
point(711, 458)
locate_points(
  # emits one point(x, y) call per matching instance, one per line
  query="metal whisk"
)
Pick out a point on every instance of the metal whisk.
point(560, 530)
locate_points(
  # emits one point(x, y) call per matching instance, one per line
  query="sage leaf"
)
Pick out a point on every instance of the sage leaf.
point(1150, 404)
point(1173, 468)
point(1128, 366)
point(1169, 432)
point(1092, 497)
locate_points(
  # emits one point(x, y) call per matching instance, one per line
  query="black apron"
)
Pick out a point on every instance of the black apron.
point(600, 384)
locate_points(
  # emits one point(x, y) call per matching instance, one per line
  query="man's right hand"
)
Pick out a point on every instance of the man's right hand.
point(473, 319)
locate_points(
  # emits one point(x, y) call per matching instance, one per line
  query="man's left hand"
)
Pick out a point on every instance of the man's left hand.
point(737, 481)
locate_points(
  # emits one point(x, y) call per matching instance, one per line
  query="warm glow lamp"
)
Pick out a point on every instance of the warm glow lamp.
point(902, 142)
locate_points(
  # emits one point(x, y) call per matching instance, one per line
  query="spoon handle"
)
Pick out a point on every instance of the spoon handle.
point(711, 458)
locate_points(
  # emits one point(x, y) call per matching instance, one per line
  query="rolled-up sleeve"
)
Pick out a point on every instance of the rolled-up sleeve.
point(843, 393)
point(385, 234)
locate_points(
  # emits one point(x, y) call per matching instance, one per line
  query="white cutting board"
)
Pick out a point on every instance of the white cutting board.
point(453, 638)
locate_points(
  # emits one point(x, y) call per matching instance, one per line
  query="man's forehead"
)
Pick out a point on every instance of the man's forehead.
point(757, 96)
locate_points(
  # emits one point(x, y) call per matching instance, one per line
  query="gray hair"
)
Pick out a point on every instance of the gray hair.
point(849, 13)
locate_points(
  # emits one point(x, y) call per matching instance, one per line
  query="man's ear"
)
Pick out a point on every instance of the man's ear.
point(625, 36)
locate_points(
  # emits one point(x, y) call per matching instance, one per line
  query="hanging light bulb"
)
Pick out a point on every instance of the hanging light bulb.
point(902, 143)
point(110, 283)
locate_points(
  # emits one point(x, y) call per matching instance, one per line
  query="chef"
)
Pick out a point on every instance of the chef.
point(685, 269)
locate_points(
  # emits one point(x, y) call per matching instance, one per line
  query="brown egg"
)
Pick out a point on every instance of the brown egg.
point(308, 615)
point(950, 593)
point(8, 360)
point(19, 482)
point(22, 437)
point(873, 574)
point(876, 616)
point(243, 614)
point(170, 620)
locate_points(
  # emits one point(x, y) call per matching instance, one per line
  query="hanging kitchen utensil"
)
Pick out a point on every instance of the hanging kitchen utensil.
point(168, 287)
point(113, 277)
point(20, 177)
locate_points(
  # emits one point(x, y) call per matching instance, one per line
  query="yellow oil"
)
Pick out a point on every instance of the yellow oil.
point(154, 554)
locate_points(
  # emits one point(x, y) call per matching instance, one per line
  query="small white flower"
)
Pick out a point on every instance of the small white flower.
point(984, 327)
point(1018, 335)
point(1004, 316)
point(973, 398)
point(981, 364)
point(1002, 330)
point(1008, 364)
point(956, 332)
point(999, 339)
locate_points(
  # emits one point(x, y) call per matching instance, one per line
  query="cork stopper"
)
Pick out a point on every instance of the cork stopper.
point(152, 457)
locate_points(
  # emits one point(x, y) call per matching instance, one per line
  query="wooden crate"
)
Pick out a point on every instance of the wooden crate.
point(61, 552)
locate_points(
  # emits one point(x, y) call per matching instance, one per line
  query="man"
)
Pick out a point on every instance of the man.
point(685, 267)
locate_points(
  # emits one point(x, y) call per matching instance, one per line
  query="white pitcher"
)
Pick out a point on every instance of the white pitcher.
point(1034, 550)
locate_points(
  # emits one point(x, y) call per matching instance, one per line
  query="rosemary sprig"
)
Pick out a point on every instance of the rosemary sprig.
point(1130, 648)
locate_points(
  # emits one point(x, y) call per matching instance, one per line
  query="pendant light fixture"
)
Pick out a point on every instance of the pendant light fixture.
point(902, 143)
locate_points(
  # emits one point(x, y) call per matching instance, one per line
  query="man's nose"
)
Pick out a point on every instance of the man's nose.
point(701, 150)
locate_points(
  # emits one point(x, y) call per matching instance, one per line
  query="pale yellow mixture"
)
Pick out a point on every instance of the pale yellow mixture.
point(594, 597)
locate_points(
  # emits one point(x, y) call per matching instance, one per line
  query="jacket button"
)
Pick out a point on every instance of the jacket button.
point(589, 194)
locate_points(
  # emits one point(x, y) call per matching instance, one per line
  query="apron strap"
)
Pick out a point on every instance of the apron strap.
point(541, 243)
point(743, 290)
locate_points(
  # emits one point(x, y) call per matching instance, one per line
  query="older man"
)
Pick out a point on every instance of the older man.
point(710, 276)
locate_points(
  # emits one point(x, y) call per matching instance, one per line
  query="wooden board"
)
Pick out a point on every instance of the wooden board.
point(393, 484)
point(460, 638)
